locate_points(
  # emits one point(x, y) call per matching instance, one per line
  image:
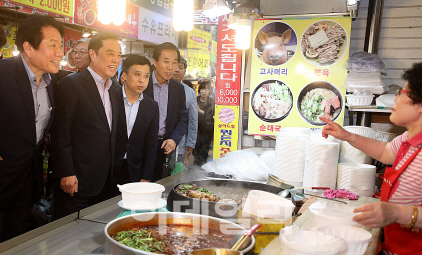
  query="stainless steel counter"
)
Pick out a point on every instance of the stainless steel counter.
point(83, 234)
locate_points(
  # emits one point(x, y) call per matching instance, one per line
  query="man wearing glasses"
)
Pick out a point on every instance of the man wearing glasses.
point(80, 54)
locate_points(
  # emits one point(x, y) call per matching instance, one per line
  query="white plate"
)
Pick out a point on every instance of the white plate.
point(161, 204)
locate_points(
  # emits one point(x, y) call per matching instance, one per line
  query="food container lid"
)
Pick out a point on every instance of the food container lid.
point(333, 210)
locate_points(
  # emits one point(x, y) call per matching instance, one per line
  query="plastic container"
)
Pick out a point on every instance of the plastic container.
point(385, 136)
point(356, 238)
point(141, 195)
point(267, 205)
point(359, 178)
point(332, 213)
point(297, 241)
point(353, 100)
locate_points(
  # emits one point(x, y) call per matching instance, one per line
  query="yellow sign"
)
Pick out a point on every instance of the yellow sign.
point(7, 49)
point(199, 40)
point(203, 64)
point(214, 52)
point(226, 130)
point(62, 7)
point(297, 73)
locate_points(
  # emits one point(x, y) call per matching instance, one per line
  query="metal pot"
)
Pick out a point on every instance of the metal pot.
point(229, 211)
point(199, 222)
point(215, 252)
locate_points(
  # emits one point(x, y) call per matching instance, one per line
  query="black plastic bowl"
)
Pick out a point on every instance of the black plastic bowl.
point(253, 97)
point(315, 85)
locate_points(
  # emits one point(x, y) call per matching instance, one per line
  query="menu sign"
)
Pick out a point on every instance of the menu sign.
point(297, 73)
point(61, 7)
point(199, 40)
point(86, 14)
point(227, 87)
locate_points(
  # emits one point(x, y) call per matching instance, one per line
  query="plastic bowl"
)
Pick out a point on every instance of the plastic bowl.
point(354, 100)
point(356, 238)
point(141, 195)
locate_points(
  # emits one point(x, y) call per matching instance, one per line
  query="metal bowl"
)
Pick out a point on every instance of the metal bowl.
point(199, 222)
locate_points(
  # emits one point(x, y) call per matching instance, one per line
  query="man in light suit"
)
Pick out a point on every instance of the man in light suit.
point(26, 111)
point(170, 96)
point(83, 137)
point(137, 129)
point(187, 144)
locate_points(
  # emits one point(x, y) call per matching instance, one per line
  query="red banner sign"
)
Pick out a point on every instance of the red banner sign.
point(70, 38)
point(227, 87)
point(86, 15)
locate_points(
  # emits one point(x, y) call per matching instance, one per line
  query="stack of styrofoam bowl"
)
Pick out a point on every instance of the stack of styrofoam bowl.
point(290, 154)
point(297, 241)
point(359, 100)
point(348, 153)
point(356, 238)
point(267, 205)
point(332, 213)
point(316, 136)
point(141, 195)
point(321, 165)
point(359, 178)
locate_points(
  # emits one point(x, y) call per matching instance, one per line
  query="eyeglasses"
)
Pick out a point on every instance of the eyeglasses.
point(402, 91)
point(81, 53)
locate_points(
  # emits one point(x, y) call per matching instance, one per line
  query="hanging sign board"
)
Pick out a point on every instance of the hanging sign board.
point(86, 14)
point(199, 40)
point(297, 73)
point(163, 7)
point(226, 130)
point(11, 38)
point(70, 38)
point(156, 28)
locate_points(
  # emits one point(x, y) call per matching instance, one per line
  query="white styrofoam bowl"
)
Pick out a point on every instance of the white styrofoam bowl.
point(361, 130)
point(356, 238)
point(363, 100)
point(332, 213)
point(141, 195)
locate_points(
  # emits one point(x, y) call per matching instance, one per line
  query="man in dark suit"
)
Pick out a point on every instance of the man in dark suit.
point(26, 111)
point(137, 129)
point(84, 130)
point(170, 96)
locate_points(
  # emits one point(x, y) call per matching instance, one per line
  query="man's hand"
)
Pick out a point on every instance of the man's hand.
point(188, 150)
point(168, 145)
point(142, 180)
point(69, 184)
point(377, 215)
point(335, 130)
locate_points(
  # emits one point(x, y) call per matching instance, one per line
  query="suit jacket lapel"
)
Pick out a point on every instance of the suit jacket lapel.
point(114, 108)
point(92, 89)
point(121, 110)
point(24, 85)
point(171, 98)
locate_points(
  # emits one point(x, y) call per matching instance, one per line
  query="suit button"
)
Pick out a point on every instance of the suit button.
point(109, 156)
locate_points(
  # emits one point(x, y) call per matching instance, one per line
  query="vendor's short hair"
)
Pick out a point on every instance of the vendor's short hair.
point(30, 30)
point(414, 78)
point(135, 60)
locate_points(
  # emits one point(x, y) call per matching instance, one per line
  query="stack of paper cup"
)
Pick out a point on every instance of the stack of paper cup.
point(348, 153)
point(321, 164)
point(267, 205)
point(316, 136)
point(290, 154)
point(359, 178)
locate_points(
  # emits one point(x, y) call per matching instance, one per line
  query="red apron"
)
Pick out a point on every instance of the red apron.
point(399, 240)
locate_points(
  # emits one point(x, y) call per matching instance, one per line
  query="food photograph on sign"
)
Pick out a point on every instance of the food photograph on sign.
point(272, 101)
point(319, 99)
point(275, 43)
point(324, 43)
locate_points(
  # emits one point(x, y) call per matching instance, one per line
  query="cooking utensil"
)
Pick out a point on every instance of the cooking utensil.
point(284, 193)
point(197, 222)
point(222, 188)
point(332, 199)
point(312, 188)
point(243, 239)
point(278, 182)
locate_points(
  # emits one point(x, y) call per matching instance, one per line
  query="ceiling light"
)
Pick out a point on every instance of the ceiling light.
point(15, 51)
point(215, 8)
point(63, 62)
point(111, 11)
point(183, 15)
point(86, 34)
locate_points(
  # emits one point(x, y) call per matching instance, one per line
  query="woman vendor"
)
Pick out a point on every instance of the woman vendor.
point(401, 191)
